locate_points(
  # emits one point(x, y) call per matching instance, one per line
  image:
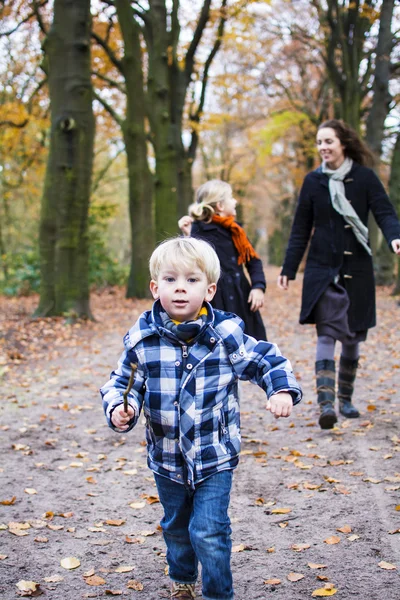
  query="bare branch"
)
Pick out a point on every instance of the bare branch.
point(201, 24)
point(111, 55)
point(111, 82)
point(108, 108)
point(8, 123)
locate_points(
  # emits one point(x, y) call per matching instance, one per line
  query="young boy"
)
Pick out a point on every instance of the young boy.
point(189, 359)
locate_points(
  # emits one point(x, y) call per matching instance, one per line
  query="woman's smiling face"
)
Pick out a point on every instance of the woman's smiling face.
point(330, 148)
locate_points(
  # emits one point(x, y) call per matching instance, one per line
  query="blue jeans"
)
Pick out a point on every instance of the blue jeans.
point(196, 528)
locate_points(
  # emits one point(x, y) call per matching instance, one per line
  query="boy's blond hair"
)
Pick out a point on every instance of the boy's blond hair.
point(207, 197)
point(185, 251)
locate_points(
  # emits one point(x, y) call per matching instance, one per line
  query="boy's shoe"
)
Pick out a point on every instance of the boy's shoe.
point(184, 591)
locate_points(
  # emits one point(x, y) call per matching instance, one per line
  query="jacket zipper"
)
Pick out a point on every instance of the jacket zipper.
point(184, 352)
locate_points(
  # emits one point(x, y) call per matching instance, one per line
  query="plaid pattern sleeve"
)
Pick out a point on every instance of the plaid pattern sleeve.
point(260, 362)
point(113, 391)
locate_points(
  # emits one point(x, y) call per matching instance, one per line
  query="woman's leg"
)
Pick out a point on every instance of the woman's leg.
point(210, 534)
point(348, 365)
point(325, 374)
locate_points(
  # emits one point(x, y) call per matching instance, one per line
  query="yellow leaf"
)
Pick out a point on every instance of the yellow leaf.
point(295, 576)
point(273, 581)
point(124, 569)
point(324, 592)
point(388, 566)
point(137, 504)
point(271, 550)
point(333, 539)
point(240, 548)
point(70, 562)
point(27, 586)
point(281, 511)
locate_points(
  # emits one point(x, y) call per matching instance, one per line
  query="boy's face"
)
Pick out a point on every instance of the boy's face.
point(182, 291)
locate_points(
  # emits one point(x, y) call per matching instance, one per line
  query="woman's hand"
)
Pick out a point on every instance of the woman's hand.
point(396, 246)
point(185, 224)
point(283, 282)
point(256, 299)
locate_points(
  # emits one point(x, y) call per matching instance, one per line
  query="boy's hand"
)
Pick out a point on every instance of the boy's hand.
point(280, 404)
point(120, 418)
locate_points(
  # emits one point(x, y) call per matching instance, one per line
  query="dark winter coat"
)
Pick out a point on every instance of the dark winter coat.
point(233, 287)
point(334, 249)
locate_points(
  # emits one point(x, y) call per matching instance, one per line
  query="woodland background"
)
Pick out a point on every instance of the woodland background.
point(113, 111)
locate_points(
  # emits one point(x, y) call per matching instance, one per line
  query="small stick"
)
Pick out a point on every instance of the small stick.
point(130, 384)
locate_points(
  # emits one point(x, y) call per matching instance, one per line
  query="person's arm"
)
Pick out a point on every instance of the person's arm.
point(113, 394)
point(300, 232)
point(185, 225)
point(384, 212)
point(261, 363)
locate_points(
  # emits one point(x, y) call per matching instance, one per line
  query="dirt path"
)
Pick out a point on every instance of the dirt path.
point(54, 440)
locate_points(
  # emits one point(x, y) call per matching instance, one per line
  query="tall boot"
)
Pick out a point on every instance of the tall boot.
point(347, 376)
point(325, 372)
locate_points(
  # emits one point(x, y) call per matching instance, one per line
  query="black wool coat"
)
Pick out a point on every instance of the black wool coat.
point(334, 249)
point(233, 287)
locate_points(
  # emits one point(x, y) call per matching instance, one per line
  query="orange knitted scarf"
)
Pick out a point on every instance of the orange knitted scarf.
point(239, 238)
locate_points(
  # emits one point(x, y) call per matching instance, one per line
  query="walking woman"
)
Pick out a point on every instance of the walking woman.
point(338, 293)
point(212, 218)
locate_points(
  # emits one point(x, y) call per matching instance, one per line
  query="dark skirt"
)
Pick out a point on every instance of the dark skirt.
point(331, 316)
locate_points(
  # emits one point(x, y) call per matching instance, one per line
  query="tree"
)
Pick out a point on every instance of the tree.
point(65, 202)
point(171, 68)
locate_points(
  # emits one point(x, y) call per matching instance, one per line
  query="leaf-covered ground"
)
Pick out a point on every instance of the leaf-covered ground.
point(314, 513)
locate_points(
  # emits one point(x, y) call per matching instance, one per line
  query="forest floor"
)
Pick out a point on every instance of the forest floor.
point(314, 513)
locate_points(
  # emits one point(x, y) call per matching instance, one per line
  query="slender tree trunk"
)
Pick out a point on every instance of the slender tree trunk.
point(141, 208)
point(160, 100)
point(65, 203)
point(384, 258)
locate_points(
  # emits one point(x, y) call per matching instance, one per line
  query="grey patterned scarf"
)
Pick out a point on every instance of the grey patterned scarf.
point(342, 205)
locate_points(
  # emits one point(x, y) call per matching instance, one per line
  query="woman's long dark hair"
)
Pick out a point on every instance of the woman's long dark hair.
point(354, 147)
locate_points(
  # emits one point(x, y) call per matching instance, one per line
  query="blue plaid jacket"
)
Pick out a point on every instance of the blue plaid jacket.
point(189, 393)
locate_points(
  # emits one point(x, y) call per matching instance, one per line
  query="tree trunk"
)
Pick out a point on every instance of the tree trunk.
point(65, 203)
point(160, 109)
point(383, 258)
point(141, 209)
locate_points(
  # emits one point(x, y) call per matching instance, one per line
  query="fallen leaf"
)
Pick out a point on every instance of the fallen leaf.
point(272, 581)
point(115, 522)
point(30, 491)
point(388, 566)
point(95, 580)
point(317, 566)
point(27, 586)
point(299, 547)
point(353, 537)
point(89, 573)
point(271, 550)
point(344, 529)
point(281, 511)
point(124, 569)
point(137, 504)
point(295, 577)
point(333, 539)
point(70, 562)
point(41, 539)
point(133, 584)
point(324, 592)
point(3, 556)
point(241, 548)
point(53, 579)
point(8, 502)
point(114, 592)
